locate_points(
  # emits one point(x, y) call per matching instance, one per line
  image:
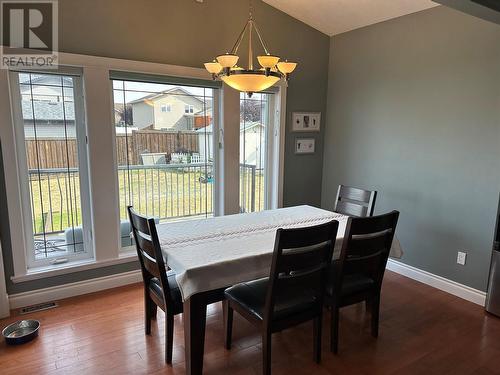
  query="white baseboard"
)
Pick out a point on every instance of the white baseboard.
point(4, 305)
point(441, 283)
point(73, 289)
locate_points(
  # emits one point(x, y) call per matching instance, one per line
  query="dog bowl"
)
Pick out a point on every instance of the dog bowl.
point(21, 331)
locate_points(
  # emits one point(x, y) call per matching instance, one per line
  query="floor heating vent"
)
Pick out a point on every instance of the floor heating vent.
point(39, 307)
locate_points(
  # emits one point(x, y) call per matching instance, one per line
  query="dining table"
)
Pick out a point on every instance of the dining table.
point(209, 255)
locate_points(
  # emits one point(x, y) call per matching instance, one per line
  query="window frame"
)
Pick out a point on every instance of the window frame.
point(273, 150)
point(188, 109)
point(164, 79)
point(22, 166)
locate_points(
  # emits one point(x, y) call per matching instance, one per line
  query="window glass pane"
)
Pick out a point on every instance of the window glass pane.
point(254, 123)
point(51, 142)
point(164, 151)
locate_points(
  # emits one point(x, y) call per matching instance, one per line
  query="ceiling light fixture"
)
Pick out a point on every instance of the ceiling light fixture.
point(250, 80)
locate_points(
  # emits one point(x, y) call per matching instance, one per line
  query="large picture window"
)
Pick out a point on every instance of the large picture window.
point(51, 138)
point(165, 159)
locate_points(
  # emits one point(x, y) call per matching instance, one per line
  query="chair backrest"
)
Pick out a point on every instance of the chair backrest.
point(366, 247)
point(149, 252)
point(355, 202)
point(301, 262)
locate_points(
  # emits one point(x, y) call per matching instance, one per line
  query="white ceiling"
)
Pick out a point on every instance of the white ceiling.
point(338, 16)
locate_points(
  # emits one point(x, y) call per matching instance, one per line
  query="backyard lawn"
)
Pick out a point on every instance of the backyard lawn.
point(166, 193)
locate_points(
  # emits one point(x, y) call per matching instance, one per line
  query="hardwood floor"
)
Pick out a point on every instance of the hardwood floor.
point(422, 331)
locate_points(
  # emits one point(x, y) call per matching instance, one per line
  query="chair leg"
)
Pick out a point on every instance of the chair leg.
point(375, 310)
point(317, 338)
point(147, 313)
point(228, 324)
point(266, 353)
point(153, 310)
point(334, 339)
point(169, 336)
point(368, 304)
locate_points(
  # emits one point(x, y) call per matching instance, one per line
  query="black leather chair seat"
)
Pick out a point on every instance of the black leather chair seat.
point(252, 296)
point(155, 287)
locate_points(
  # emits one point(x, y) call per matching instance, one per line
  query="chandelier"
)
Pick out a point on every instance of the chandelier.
point(251, 79)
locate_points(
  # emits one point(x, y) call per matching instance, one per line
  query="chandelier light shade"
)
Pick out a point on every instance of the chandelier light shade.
point(250, 80)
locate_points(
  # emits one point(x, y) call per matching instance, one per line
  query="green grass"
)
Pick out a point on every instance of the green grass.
point(166, 194)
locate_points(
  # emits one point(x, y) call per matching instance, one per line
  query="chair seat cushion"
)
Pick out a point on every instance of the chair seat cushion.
point(175, 293)
point(351, 283)
point(251, 296)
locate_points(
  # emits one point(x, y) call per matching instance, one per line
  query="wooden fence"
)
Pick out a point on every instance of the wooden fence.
point(50, 153)
point(153, 141)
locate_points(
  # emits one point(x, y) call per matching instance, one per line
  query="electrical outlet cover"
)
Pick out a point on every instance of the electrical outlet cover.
point(461, 257)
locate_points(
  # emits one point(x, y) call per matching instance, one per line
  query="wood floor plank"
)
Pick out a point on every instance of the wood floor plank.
point(422, 331)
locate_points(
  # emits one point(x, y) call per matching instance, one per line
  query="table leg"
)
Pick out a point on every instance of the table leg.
point(194, 317)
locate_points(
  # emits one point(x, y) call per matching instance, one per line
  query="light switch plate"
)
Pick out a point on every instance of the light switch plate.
point(461, 257)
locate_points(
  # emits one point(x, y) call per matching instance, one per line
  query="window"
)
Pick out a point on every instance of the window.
point(256, 143)
point(165, 169)
point(188, 109)
point(51, 139)
point(166, 108)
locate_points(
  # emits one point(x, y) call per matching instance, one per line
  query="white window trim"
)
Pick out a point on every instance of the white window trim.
point(99, 110)
point(188, 109)
point(18, 120)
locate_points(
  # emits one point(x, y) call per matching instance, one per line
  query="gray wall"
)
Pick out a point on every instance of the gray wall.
point(414, 112)
point(187, 33)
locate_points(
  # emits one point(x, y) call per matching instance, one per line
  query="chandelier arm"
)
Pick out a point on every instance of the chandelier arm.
point(234, 50)
point(260, 38)
point(250, 49)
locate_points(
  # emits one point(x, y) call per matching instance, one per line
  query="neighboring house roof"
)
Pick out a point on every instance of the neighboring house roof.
point(47, 79)
point(158, 95)
point(47, 111)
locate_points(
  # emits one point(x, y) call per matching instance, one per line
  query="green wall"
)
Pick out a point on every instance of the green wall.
point(187, 33)
point(414, 112)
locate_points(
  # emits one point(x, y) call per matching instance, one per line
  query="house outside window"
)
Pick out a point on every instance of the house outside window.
point(166, 108)
point(189, 109)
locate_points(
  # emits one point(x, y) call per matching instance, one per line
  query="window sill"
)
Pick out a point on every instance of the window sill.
point(77, 266)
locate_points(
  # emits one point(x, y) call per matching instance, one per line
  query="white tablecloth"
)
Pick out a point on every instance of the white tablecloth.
point(218, 252)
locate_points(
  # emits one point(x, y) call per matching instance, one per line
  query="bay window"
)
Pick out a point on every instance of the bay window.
point(87, 141)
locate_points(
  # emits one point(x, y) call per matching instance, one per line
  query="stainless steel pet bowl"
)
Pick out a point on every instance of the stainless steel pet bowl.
point(21, 331)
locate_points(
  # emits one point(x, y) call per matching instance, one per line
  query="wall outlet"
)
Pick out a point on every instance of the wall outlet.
point(461, 257)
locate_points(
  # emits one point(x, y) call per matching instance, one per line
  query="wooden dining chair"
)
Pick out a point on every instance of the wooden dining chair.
point(160, 286)
point(355, 202)
point(357, 276)
point(294, 291)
